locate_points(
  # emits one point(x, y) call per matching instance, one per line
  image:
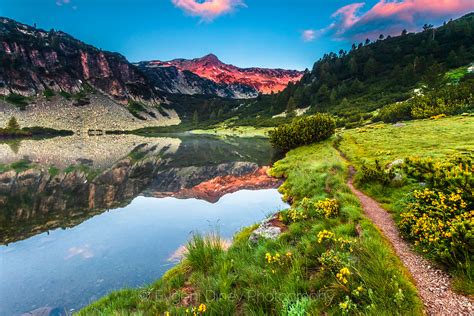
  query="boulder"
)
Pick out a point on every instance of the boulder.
point(270, 228)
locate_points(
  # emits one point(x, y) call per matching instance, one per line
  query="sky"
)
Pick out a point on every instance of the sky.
point(290, 34)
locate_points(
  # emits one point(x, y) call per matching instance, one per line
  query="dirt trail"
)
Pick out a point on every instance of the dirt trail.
point(434, 285)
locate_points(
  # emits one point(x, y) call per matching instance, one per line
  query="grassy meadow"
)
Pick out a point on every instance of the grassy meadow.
point(436, 140)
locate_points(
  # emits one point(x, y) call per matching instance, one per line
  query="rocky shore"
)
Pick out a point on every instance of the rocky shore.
point(101, 114)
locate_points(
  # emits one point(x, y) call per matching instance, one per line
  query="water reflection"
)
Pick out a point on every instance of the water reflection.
point(159, 190)
point(64, 181)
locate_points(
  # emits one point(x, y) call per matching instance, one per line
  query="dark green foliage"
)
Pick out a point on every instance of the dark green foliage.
point(449, 99)
point(48, 93)
point(18, 100)
point(21, 165)
point(65, 95)
point(302, 131)
point(13, 124)
point(34, 131)
point(454, 175)
point(381, 73)
point(396, 112)
point(375, 173)
point(45, 131)
point(135, 108)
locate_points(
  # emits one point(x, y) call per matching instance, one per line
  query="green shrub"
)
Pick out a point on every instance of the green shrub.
point(65, 95)
point(455, 175)
point(302, 131)
point(48, 93)
point(13, 124)
point(375, 173)
point(450, 99)
point(441, 225)
point(18, 100)
point(396, 112)
point(135, 108)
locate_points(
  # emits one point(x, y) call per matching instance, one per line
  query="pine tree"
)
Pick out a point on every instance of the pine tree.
point(452, 60)
point(370, 68)
point(353, 66)
point(13, 124)
point(195, 117)
point(291, 107)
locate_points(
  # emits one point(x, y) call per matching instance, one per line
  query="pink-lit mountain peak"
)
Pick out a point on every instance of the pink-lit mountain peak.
point(210, 67)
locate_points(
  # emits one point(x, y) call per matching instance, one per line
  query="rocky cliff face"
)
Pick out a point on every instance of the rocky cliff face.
point(176, 81)
point(218, 78)
point(33, 60)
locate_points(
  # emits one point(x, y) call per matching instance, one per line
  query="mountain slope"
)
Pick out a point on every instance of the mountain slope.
point(371, 75)
point(51, 79)
point(243, 82)
point(33, 60)
point(175, 81)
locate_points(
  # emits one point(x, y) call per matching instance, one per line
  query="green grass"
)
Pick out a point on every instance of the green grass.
point(423, 138)
point(439, 139)
point(21, 165)
point(455, 75)
point(240, 281)
point(17, 100)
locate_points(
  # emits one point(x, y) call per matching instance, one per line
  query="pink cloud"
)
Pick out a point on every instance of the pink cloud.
point(207, 9)
point(391, 17)
point(308, 35)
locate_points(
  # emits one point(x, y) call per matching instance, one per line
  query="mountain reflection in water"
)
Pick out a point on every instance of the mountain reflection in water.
point(159, 191)
point(60, 182)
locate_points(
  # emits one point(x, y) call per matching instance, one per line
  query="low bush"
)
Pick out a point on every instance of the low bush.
point(439, 219)
point(440, 225)
point(449, 100)
point(135, 108)
point(375, 173)
point(454, 175)
point(302, 131)
point(396, 112)
point(308, 209)
point(17, 100)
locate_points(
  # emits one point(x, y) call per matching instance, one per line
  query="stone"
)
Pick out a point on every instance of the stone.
point(270, 228)
point(395, 163)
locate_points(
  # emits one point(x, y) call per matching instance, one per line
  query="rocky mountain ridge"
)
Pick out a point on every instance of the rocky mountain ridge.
point(34, 60)
point(245, 82)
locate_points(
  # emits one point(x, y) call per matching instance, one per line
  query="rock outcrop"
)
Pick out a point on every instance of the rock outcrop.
point(33, 60)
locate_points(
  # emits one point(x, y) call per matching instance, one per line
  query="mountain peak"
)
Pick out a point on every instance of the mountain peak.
point(210, 58)
point(262, 80)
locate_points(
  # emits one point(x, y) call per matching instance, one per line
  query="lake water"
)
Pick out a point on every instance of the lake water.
point(81, 217)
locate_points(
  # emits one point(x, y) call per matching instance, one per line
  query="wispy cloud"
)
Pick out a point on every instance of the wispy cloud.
point(308, 35)
point(391, 17)
point(85, 252)
point(62, 2)
point(208, 10)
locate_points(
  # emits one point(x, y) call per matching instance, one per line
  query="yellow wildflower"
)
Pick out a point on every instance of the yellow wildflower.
point(202, 308)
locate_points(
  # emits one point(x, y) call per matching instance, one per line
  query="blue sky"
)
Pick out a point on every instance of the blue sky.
point(265, 33)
